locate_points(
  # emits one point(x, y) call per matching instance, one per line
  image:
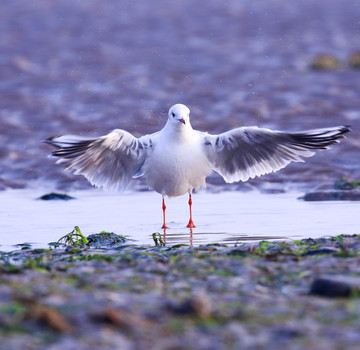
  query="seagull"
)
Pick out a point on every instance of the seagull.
point(177, 159)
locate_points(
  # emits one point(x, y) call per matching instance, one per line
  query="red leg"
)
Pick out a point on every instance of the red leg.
point(191, 222)
point(164, 208)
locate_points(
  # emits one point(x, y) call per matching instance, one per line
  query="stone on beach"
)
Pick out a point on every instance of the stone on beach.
point(336, 286)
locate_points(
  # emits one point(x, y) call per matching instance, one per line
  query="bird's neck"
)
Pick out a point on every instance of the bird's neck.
point(178, 132)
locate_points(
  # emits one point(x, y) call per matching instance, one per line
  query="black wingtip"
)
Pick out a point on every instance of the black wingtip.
point(344, 129)
point(50, 141)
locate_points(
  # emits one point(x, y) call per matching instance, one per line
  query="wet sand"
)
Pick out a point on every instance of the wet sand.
point(294, 295)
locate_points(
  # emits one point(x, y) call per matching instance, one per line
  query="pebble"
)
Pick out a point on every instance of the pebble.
point(325, 62)
point(336, 286)
point(353, 195)
point(198, 305)
point(56, 196)
point(354, 60)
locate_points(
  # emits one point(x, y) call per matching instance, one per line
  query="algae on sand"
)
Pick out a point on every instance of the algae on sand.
point(98, 240)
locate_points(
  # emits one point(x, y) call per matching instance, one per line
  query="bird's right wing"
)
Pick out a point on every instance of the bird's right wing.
point(246, 152)
point(109, 161)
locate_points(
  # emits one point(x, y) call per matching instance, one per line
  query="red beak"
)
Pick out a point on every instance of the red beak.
point(182, 120)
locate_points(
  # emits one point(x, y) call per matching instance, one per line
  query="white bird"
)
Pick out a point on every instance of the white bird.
point(177, 159)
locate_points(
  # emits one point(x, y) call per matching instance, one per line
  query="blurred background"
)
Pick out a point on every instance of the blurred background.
point(87, 67)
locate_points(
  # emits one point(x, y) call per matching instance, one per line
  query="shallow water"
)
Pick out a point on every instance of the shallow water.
point(74, 67)
point(225, 217)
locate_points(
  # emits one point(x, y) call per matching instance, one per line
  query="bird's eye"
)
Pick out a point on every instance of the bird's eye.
point(173, 114)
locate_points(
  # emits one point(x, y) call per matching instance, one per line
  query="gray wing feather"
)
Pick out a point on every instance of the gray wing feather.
point(247, 152)
point(109, 161)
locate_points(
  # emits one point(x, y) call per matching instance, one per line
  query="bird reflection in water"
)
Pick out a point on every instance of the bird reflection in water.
point(190, 236)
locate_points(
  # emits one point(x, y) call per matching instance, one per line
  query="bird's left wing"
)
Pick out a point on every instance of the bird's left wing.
point(109, 161)
point(246, 152)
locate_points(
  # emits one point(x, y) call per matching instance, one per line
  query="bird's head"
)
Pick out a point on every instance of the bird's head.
point(179, 114)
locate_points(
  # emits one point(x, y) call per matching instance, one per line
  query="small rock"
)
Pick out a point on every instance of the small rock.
point(354, 60)
point(325, 62)
point(321, 251)
point(49, 317)
point(122, 319)
point(284, 332)
point(345, 184)
point(332, 196)
point(335, 286)
point(55, 196)
point(196, 305)
point(105, 240)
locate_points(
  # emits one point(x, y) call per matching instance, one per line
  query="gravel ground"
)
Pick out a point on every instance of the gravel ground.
point(271, 295)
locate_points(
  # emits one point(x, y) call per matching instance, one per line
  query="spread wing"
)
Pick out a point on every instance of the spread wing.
point(109, 161)
point(244, 153)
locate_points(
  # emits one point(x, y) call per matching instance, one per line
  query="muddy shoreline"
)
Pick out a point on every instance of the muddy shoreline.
point(291, 294)
point(86, 69)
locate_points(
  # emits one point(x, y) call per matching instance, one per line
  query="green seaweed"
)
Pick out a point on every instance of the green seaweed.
point(23, 246)
point(10, 268)
point(40, 263)
point(74, 238)
point(180, 245)
point(338, 238)
point(344, 184)
point(301, 242)
point(100, 257)
point(15, 312)
point(158, 240)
